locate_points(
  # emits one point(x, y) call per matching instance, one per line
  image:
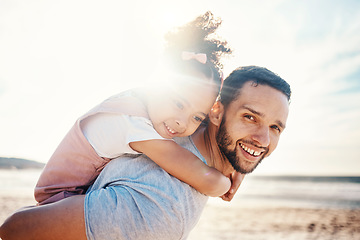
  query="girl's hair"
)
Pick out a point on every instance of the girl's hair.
point(195, 37)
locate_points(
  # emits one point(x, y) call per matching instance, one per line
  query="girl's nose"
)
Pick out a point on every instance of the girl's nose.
point(181, 124)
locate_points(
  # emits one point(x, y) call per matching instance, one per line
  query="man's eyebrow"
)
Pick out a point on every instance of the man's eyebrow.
point(253, 111)
point(278, 122)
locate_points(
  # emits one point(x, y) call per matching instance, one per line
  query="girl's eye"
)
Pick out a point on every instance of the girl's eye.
point(198, 119)
point(179, 104)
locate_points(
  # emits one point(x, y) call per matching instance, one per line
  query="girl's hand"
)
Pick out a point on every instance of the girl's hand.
point(236, 179)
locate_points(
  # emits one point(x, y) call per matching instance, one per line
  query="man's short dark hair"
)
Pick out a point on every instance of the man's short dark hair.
point(259, 75)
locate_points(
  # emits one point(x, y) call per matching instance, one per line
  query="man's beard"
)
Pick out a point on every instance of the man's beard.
point(224, 141)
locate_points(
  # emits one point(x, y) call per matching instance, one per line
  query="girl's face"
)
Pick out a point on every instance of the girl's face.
point(178, 110)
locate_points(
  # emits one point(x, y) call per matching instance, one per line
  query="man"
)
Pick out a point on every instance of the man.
point(135, 199)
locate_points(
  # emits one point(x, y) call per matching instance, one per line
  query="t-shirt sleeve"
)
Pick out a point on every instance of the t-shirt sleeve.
point(110, 134)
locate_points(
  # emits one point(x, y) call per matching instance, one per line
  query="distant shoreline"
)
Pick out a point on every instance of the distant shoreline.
point(19, 163)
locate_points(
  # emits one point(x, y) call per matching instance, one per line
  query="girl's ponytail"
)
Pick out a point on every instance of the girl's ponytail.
point(197, 38)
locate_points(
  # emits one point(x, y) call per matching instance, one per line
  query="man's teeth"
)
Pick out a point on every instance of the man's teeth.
point(250, 151)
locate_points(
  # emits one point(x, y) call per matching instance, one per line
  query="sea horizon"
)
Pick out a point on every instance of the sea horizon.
point(256, 190)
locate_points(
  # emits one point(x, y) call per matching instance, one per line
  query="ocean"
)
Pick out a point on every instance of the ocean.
point(18, 182)
point(280, 191)
point(301, 191)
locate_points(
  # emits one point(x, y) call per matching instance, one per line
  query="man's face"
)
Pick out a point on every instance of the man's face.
point(252, 124)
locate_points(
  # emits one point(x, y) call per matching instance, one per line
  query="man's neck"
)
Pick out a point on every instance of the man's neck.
point(205, 141)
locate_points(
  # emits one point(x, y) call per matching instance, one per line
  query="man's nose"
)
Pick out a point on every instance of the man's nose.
point(262, 136)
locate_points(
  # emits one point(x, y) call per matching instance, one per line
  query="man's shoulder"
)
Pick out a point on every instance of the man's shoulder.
point(182, 140)
point(187, 143)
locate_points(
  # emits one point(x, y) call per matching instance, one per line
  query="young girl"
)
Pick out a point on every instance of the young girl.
point(144, 121)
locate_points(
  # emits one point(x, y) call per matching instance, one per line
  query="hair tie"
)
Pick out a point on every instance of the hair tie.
point(200, 57)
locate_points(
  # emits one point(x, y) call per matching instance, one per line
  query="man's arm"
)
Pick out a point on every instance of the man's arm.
point(61, 220)
point(184, 165)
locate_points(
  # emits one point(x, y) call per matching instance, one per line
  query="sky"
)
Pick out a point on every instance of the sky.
point(58, 59)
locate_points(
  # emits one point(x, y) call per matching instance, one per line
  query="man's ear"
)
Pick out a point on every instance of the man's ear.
point(216, 113)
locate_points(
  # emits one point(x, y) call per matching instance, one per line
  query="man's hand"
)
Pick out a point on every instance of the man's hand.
point(236, 179)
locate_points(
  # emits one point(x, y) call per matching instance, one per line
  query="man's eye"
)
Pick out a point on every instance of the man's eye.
point(249, 117)
point(179, 104)
point(276, 128)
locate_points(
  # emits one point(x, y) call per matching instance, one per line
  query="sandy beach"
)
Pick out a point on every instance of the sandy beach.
point(232, 221)
point(235, 221)
point(9, 204)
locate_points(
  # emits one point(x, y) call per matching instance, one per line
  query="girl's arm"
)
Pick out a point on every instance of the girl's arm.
point(63, 220)
point(185, 166)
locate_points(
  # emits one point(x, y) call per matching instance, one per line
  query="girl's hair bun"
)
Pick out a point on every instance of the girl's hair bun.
point(198, 36)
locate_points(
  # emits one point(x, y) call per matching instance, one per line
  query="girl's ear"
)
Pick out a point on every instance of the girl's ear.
point(216, 113)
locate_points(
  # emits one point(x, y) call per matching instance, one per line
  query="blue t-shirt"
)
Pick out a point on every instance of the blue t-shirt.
point(133, 198)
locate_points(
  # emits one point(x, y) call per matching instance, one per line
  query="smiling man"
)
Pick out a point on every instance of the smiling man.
point(133, 198)
point(256, 102)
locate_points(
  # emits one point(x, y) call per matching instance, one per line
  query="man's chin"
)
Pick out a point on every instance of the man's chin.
point(246, 168)
point(243, 170)
point(246, 171)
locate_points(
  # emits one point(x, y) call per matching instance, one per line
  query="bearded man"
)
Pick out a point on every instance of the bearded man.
point(133, 198)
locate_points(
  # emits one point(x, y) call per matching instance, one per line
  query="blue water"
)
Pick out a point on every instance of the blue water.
point(287, 191)
point(18, 182)
point(301, 191)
